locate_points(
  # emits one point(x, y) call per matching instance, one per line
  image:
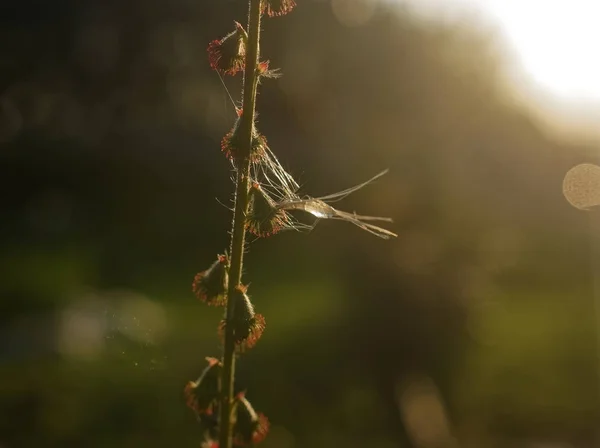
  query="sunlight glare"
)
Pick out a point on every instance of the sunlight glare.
point(554, 42)
point(557, 42)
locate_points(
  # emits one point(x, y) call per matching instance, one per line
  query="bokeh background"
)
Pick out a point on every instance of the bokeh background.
point(476, 327)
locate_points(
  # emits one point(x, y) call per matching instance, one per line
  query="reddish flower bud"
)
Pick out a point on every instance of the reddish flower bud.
point(227, 55)
point(202, 395)
point(247, 325)
point(250, 427)
point(265, 72)
point(264, 218)
point(210, 286)
point(275, 8)
point(231, 144)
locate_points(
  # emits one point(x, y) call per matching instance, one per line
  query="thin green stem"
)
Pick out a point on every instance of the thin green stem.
point(239, 218)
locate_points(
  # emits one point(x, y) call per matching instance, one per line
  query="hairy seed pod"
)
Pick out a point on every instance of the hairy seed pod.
point(232, 145)
point(202, 395)
point(227, 55)
point(248, 326)
point(250, 427)
point(210, 286)
point(264, 218)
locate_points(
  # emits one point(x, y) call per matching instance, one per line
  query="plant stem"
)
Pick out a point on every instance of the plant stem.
point(239, 218)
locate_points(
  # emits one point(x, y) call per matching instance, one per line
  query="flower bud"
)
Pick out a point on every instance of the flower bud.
point(265, 72)
point(227, 55)
point(210, 286)
point(250, 428)
point(202, 395)
point(264, 218)
point(248, 326)
point(275, 8)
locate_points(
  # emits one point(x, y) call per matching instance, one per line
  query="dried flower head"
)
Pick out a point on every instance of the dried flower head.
point(275, 8)
point(250, 427)
point(248, 326)
point(227, 55)
point(202, 395)
point(264, 218)
point(210, 286)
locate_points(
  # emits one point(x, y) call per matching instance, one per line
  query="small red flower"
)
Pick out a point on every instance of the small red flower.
point(265, 72)
point(275, 8)
point(248, 326)
point(227, 55)
point(203, 394)
point(263, 67)
point(250, 427)
point(210, 286)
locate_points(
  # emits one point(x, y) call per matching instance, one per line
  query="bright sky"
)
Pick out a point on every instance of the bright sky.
point(557, 42)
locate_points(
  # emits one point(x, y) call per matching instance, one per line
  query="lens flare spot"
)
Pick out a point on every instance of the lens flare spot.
point(581, 186)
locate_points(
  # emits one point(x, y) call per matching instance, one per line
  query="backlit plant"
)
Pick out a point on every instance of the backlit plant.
point(265, 197)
